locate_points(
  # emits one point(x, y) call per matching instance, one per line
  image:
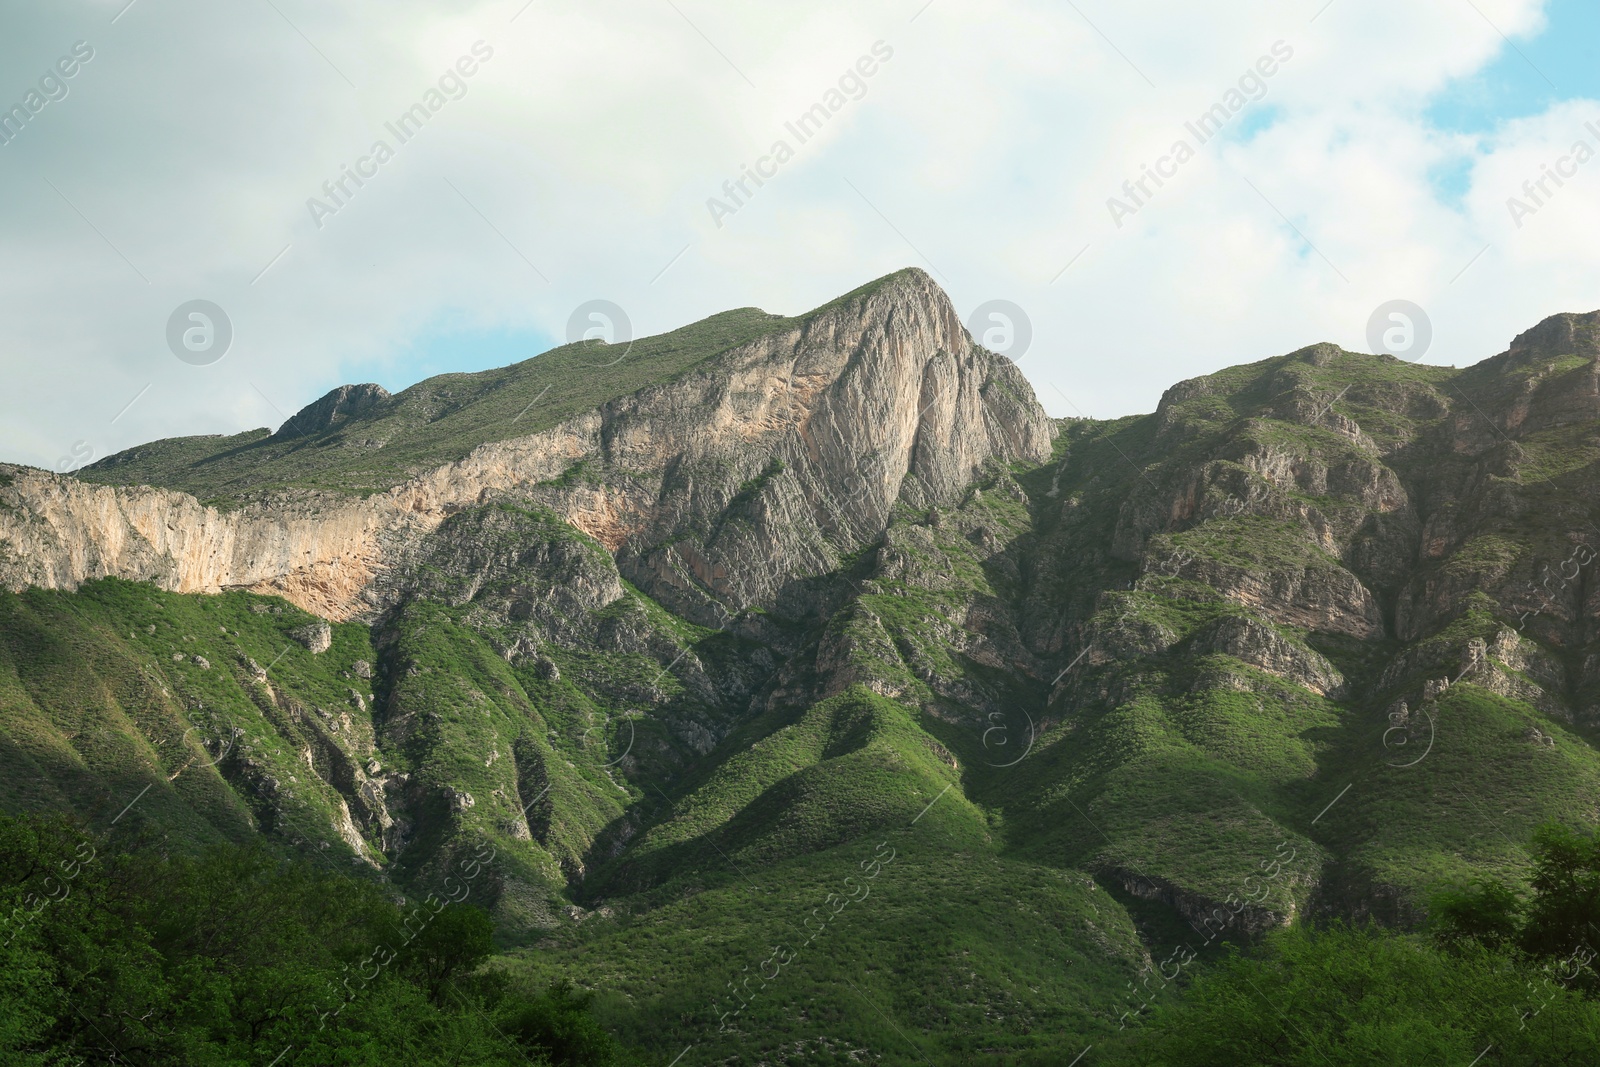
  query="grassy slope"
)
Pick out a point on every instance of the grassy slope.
point(1467, 808)
point(788, 785)
point(1203, 772)
point(102, 694)
point(1192, 779)
point(958, 949)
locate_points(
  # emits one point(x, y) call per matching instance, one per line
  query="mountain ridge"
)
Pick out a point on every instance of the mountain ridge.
point(696, 656)
point(332, 550)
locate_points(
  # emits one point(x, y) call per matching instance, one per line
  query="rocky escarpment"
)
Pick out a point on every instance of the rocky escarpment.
point(57, 532)
point(718, 488)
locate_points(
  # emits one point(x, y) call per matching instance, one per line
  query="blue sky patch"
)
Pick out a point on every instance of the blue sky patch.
point(1562, 63)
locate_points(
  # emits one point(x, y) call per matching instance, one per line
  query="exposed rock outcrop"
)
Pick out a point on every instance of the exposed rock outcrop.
point(336, 407)
point(1262, 646)
point(317, 636)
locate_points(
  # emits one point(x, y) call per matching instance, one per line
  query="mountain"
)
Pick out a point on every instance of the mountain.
point(802, 673)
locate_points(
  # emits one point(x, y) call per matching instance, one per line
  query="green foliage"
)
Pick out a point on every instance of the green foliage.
point(1561, 917)
point(1555, 454)
point(558, 1022)
point(1566, 891)
point(967, 955)
point(452, 944)
point(237, 957)
point(627, 760)
point(1484, 980)
point(1343, 996)
point(1255, 542)
point(121, 690)
point(1486, 912)
point(794, 785)
point(1468, 807)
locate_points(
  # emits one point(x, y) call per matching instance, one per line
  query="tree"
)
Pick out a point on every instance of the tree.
point(1564, 914)
point(453, 943)
point(239, 955)
point(1487, 913)
point(558, 1024)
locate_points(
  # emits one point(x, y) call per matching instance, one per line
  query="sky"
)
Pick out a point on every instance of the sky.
point(1150, 190)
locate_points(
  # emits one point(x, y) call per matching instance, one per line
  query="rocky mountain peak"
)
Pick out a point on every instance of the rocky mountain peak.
point(335, 407)
point(1566, 334)
point(716, 473)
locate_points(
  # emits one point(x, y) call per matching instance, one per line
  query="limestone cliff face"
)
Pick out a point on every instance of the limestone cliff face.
point(758, 466)
point(57, 532)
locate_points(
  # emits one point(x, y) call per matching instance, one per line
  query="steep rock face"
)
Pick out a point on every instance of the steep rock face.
point(1326, 599)
point(758, 466)
point(519, 682)
point(57, 532)
point(516, 566)
point(770, 461)
point(1534, 386)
